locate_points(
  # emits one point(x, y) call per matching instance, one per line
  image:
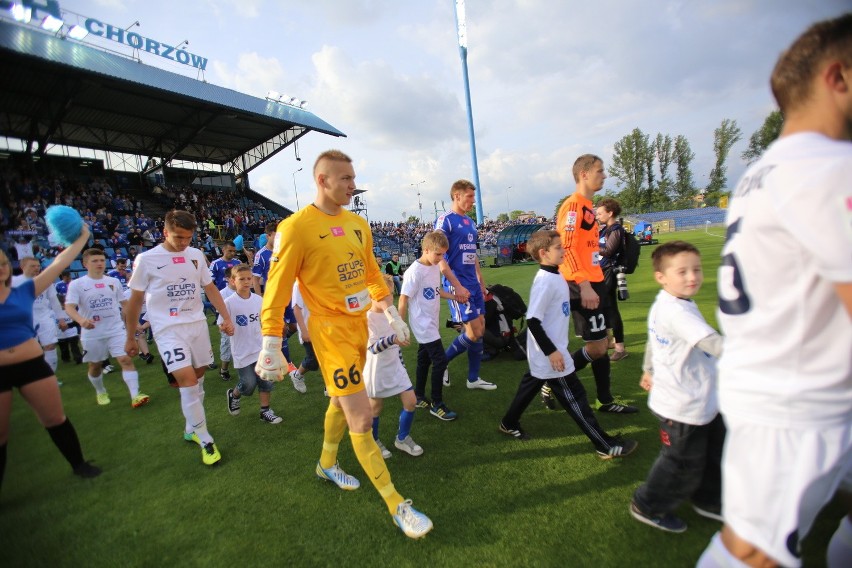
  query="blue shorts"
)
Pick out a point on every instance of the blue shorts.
point(289, 316)
point(470, 310)
point(249, 380)
point(310, 362)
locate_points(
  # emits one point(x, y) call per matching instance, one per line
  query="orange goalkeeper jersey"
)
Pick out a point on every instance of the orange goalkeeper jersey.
point(332, 256)
point(578, 230)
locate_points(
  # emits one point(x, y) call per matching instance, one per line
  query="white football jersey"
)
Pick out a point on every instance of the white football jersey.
point(98, 300)
point(46, 307)
point(172, 282)
point(550, 303)
point(787, 359)
point(421, 284)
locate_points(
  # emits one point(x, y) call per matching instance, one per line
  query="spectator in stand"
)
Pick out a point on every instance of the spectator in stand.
point(148, 238)
point(135, 237)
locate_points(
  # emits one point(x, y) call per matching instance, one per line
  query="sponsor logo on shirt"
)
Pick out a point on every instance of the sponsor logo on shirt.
point(96, 318)
point(178, 260)
point(466, 221)
point(571, 219)
point(174, 312)
point(241, 320)
point(337, 231)
point(429, 293)
point(566, 308)
point(195, 264)
point(353, 302)
point(358, 234)
point(100, 285)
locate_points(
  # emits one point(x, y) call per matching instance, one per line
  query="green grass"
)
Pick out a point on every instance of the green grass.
point(494, 501)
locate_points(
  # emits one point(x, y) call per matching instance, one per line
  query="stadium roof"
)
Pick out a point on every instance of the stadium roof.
point(59, 91)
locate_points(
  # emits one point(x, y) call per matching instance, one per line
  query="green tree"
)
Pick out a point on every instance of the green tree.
point(663, 152)
point(629, 167)
point(725, 136)
point(412, 219)
point(764, 136)
point(684, 190)
point(503, 217)
point(515, 214)
point(558, 205)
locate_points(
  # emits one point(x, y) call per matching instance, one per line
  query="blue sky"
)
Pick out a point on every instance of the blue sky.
point(550, 80)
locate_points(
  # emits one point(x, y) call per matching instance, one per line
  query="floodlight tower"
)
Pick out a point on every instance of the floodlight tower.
point(461, 27)
point(419, 203)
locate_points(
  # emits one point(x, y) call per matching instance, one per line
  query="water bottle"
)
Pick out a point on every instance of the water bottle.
point(621, 279)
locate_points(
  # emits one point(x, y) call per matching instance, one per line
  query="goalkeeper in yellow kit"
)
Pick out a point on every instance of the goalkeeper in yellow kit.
point(330, 251)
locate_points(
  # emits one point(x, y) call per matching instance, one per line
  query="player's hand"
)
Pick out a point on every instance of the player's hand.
point(130, 347)
point(400, 328)
point(228, 327)
point(557, 361)
point(62, 325)
point(270, 363)
point(400, 341)
point(462, 293)
point(647, 381)
point(588, 298)
point(87, 324)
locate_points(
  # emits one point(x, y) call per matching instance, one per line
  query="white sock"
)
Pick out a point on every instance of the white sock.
point(52, 359)
point(98, 383)
point(839, 553)
point(201, 389)
point(131, 379)
point(297, 375)
point(193, 411)
point(717, 556)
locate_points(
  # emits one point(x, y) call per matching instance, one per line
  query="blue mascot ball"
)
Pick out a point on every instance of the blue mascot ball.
point(64, 223)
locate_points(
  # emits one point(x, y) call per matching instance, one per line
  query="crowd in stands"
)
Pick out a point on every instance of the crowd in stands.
point(232, 210)
point(120, 224)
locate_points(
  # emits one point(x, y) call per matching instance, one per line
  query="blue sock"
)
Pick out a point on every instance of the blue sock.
point(405, 420)
point(474, 360)
point(375, 427)
point(285, 349)
point(459, 345)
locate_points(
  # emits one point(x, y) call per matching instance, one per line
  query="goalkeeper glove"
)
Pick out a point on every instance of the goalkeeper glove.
point(270, 362)
point(400, 328)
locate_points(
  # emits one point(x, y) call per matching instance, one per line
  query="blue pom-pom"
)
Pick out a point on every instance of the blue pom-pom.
point(261, 242)
point(64, 223)
point(238, 242)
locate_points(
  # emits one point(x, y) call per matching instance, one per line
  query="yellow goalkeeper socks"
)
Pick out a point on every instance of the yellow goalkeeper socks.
point(370, 458)
point(335, 426)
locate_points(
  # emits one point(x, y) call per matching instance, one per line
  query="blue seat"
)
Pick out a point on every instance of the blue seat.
point(77, 265)
point(110, 252)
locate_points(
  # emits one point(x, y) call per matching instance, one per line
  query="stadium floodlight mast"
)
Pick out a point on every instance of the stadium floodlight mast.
point(461, 27)
point(294, 188)
point(419, 203)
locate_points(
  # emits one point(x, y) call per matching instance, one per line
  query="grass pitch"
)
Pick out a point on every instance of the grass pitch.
point(494, 501)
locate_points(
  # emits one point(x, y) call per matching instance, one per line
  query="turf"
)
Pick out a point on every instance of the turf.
point(494, 501)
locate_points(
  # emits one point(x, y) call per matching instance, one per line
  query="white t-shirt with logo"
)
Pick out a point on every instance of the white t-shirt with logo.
point(421, 284)
point(98, 300)
point(247, 339)
point(172, 282)
point(787, 360)
point(550, 303)
point(684, 376)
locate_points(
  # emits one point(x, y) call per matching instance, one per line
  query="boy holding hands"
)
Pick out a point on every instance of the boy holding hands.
point(421, 288)
point(547, 320)
point(244, 309)
point(680, 372)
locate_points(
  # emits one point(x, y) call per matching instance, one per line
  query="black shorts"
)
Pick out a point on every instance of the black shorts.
point(591, 325)
point(18, 375)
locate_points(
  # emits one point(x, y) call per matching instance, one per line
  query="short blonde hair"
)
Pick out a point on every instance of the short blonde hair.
point(334, 156)
point(435, 240)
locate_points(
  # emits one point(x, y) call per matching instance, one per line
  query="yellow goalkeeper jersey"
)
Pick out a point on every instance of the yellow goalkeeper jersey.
point(332, 257)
